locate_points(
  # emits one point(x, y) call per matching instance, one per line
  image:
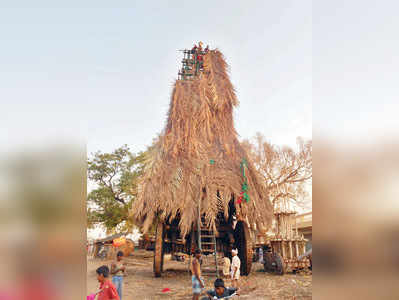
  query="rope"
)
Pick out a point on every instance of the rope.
point(244, 188)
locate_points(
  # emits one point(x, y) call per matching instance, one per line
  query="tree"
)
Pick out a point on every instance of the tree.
point(286, 172)
point(115, 176)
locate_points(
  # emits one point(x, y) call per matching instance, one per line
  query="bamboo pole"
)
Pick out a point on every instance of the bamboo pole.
point(283, 249)
point(290, 245)
point(199, 225)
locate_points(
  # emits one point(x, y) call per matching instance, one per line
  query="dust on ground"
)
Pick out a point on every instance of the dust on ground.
point(140, 283)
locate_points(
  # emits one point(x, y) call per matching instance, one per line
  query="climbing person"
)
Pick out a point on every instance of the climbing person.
point(118, 270)
point(235, 268)
point(196, 280)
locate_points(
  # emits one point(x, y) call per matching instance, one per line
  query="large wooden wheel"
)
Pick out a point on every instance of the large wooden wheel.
point(280, 266)
point(159, 249)
point(244, 245)
point(274, 263)
point(268, 262)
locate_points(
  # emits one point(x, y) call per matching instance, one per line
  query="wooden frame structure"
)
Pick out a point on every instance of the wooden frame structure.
point(230, 235)
point(286, 245)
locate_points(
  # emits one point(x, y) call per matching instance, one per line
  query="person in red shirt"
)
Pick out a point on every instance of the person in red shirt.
point(107, 288)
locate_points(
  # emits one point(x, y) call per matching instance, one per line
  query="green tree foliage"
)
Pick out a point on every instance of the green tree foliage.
point(115, 176)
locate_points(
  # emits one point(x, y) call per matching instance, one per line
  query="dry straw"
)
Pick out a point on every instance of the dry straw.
point(198, 156)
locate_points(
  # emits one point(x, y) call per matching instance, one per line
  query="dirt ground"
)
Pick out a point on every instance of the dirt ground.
point(140, 282)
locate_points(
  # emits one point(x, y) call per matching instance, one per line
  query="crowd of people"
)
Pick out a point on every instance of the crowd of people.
point(196, 54)
point(112, 289)
point(198, 51)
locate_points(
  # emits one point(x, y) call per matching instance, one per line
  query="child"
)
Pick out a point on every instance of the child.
point(107, 288)
point(117, 271)
point(220, 291)
point(226, 266)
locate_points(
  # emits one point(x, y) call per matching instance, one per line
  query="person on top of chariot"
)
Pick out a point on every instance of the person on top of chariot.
point(200, 56)
point(200, 46)
point(194, 49)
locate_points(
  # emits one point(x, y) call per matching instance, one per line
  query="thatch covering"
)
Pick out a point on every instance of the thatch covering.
point(198, 157)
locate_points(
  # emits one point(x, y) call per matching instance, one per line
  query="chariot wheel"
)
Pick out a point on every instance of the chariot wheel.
point(268, 262)
point(280, 266)
point(274, 263)
point(159, 250)
point(244, 245)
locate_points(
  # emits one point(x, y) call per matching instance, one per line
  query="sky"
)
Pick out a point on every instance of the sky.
point(355, 63)
point(102, 73)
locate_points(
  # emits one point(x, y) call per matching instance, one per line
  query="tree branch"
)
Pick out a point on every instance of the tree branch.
point(119, 199)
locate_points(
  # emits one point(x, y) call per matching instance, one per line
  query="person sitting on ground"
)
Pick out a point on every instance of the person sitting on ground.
point(220, 291)
point(107, 288)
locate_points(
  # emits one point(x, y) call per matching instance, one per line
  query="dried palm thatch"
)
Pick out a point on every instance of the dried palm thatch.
point(198, 156)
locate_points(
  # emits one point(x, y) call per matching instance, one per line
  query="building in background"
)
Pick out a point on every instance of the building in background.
point(304, 224)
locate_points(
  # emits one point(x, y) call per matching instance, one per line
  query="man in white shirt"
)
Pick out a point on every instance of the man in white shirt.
point(235, 268)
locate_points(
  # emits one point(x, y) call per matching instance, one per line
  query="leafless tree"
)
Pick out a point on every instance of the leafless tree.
point(287, 172)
